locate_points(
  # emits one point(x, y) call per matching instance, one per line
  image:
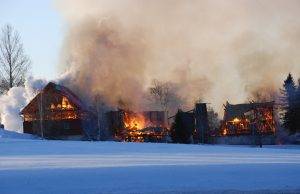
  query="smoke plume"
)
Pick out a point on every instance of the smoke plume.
point(213, 50)
point(15, 100)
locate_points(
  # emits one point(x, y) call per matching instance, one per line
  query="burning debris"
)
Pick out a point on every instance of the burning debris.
point(139, 127)
point(248, 119)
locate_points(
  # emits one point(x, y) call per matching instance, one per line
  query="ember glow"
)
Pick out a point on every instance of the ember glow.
point(236, 120)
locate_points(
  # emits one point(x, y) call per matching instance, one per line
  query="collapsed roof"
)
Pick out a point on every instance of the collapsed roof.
point(232, 111)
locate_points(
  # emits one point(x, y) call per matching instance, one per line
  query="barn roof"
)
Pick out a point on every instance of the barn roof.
point(61, 90)
point(237, 110)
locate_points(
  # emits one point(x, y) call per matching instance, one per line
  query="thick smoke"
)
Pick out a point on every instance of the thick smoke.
point(106, 59)
point(213, 50)
point(15, 100)
point(12, 103)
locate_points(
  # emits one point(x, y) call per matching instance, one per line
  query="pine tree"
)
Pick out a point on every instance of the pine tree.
point(289, 117)
point(180, 133)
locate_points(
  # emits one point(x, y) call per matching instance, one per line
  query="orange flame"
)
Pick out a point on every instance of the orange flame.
point(134, 121)
point(225, 131)
point(66, 104)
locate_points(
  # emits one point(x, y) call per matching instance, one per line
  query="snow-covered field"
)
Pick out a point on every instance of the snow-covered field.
point(41, 166)
point(14, 135)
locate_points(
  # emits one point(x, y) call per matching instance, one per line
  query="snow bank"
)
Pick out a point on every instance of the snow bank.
point(14, 135)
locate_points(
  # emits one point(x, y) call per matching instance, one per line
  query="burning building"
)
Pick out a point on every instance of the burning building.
point(55, 113)
point(252, 119)
point(149, 126)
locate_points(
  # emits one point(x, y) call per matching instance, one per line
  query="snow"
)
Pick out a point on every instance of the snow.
point(11, 134)
point(42, 166)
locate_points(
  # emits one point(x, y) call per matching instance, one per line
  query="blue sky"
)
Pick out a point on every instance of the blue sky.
point(41, 30)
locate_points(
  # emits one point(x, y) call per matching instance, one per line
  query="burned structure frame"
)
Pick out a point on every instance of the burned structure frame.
point(248, 119)
point(147, 126)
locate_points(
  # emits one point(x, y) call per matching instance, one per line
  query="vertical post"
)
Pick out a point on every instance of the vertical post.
point(201, 122)
point(99, 116)
point(41, 115)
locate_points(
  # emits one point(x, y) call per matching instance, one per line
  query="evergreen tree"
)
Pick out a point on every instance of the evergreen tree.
point(180, 132)
point(289, 117)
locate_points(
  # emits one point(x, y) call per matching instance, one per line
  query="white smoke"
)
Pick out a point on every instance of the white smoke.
point(12, 103)
point(15, 100)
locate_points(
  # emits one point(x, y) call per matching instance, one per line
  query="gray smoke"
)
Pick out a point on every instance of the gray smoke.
point(213, 50)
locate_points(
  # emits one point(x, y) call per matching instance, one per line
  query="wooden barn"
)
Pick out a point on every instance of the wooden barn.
point(56, 113)
point(248, 119)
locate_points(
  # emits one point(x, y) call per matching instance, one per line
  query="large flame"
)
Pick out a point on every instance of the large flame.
point(134, 121)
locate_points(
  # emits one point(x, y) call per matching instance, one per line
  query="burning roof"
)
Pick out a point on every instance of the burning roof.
point(58, 89)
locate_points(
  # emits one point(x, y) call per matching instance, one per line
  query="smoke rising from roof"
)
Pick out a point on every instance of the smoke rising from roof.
point(213, 50)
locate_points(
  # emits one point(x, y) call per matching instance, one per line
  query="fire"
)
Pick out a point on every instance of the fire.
point(236, 120)
point(258, 121)
point(65, 104)
point(138, 127)
point(225, 132)
point(134, 121)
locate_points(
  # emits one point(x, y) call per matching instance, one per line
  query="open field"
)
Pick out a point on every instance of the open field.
point(41, 166)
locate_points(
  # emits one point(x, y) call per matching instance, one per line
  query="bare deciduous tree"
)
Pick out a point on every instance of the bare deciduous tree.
point(160, 92)
point(163, 93)
point(213, 119)
point(14, 64)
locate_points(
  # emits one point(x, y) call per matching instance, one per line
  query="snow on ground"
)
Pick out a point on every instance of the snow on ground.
point(41, 166)
point(14, 135)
